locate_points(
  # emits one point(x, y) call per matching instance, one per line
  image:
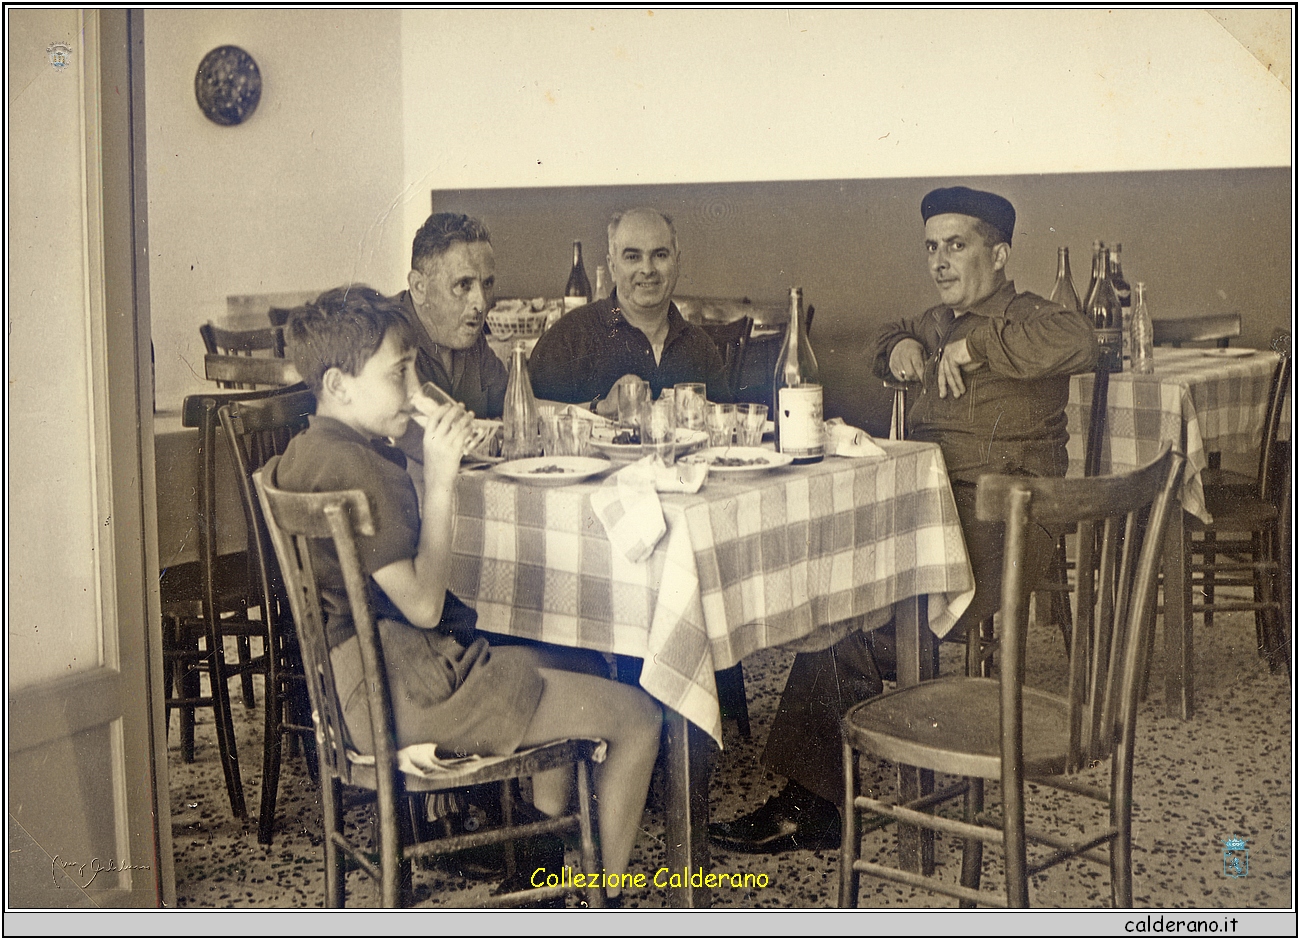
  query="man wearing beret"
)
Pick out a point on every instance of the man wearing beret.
point(993, 366)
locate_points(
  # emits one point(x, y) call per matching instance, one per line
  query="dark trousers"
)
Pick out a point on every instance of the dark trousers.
point(804, 743)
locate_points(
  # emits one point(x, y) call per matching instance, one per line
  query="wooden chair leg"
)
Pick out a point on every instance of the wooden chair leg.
point(849, 837)
point(972, 854)
point(731, 697)
point(225, 724)
point(332, 810)
point(586, 834)
point(244, 657)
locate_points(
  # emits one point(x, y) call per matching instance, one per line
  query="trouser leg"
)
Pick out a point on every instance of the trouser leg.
point(804, 743)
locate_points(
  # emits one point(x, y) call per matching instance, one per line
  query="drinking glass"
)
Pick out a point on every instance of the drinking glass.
point(631, 396)
point(750, 419)
point(690, 405)
point(720, 419)
point(659, 431)
point(572, 436)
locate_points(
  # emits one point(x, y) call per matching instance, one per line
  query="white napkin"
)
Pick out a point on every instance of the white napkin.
point(627, 504)
point(843, 440)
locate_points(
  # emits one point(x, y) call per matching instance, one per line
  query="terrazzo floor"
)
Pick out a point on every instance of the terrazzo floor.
point(1227, 772)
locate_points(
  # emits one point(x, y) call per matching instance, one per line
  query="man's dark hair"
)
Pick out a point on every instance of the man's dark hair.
point(440, 231)
point(342, 328)
point(989, 232)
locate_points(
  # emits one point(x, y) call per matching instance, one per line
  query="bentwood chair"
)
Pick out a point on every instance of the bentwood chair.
point(1254, 513)
point(248, 372)
point(207, 601)
point(260, 343)
point(255, 430)
point(978, 729)
point(1217, 328)
point(297, 522)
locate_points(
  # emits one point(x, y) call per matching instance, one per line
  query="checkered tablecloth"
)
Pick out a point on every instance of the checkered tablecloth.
point(1198, 399)
point(745, 564)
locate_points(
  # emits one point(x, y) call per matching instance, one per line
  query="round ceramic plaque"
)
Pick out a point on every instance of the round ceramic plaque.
point(228, 85)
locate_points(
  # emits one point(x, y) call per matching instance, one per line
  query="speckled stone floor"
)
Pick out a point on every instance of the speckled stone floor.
point(1227, 772)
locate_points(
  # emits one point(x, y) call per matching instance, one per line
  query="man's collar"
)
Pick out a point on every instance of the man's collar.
point(614, 315)
point(996, 303)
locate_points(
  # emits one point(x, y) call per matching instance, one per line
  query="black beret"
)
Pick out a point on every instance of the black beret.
point(990, 207)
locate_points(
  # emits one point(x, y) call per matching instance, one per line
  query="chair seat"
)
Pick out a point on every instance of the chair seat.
point(425, 774)
point(953, 726)
point(1236, 514)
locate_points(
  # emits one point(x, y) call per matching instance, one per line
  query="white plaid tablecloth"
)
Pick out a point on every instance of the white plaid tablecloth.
point(1202, 403)
point(745, 564)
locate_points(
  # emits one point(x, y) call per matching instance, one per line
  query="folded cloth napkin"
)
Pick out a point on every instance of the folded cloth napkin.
point(627, 505)
point(843, 440)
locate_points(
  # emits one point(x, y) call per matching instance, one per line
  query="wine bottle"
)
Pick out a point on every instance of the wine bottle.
point(1122, 290)
point(1097, 246)
point(578, 291)
point(1063, 291)
point(1143, 338)
point(796, 392)
point(1102, 307)
point(520, 436)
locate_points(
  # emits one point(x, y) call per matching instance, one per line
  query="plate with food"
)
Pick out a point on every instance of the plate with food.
point(625, 443)
point(740, 460)
point(1227, 352)
point(552, 471)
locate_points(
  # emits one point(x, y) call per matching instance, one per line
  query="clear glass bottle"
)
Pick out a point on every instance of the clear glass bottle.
point(1063, 291)
point(1143, 336)
point(602, 282)
point(1103, 309)
point(1097, 246)
point(519, 416)
point(1115, 271)
point(578, 291)
point(796, 391)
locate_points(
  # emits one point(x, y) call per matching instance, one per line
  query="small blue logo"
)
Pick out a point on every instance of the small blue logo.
point(59, 54)
point(1236, 858)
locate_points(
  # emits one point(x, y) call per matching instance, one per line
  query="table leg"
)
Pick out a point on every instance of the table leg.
point(1178, 619)
point(915, 664)
point(686, 824)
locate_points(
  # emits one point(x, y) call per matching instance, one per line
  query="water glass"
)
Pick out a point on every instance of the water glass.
point(690, 405)
point(659, 431)
point(572, 436)
point(720, 419)
point(631, 396)
point(750, 419)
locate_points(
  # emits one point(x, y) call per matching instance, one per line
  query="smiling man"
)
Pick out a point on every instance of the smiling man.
point(637, 332)
point(993, 367)
point(453, 275)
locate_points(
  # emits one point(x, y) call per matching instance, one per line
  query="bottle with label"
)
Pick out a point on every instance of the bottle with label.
point(796, 392)
point(1143, 336)
point(1063, 291)
point(1115, 272)
point(1103, 309)
point(578, 291)
point(520, 437)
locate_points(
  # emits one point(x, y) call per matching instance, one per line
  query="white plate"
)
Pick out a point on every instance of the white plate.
point(552, 471)
point(602, 438)
point(738, 460)
point(1228, 353)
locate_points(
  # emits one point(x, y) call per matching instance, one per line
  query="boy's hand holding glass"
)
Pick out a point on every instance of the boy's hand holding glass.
point(447, 431)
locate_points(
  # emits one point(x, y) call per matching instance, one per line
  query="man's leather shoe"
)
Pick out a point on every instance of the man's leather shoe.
point(793, 819)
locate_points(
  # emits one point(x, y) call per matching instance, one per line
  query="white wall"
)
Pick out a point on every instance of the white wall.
point(500, 98)
point(53, 595)
point(298, 197)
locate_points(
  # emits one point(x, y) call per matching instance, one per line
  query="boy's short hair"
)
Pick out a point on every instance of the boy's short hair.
point(342, 328)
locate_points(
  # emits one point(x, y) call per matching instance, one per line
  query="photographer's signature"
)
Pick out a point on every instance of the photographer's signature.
point(95, 865)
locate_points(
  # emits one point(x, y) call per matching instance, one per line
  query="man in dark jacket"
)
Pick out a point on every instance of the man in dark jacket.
point(994, 369)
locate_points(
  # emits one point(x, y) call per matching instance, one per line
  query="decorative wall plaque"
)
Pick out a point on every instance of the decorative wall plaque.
point(228, 85)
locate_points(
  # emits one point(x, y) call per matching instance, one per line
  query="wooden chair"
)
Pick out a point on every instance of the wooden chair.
point(979, 728)
point(249, 372)
point(206, 602)
point(255, 430)
point(1217, 328)
point(1255, 560)
point(294, 522)
point(732, 339)
point(263, 342)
